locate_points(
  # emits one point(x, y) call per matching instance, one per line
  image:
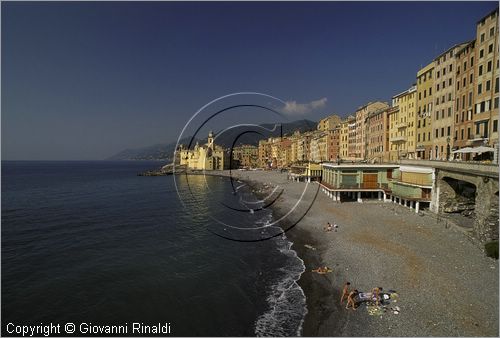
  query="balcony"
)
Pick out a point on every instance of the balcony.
point(398, 139)
point(401, 125)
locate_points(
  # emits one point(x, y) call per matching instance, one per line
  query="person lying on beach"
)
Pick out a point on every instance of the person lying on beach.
point(345, 292)
point(376, 294)
point(350, 299)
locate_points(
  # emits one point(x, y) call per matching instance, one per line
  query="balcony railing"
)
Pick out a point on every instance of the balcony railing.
point(398, 139)
point(401, 125)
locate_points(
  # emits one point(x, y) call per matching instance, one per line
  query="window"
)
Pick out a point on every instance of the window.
point(480, 70)
point(444, 71)
point(482, 37)
point(468, 133)
point(458, 85)
point(448, 131)
point(451, 67)
point(444, 84)
point(464, 81)
point(481, 53)
point(490, 49)
point(449, 111)
point(462, 134)
point(420, 96)
point(418, 137)
point(470, 99)
point(495, 126)
point(488, 85)
point(456, 134)
point(437, 87)
point(437, 75)
point(449, 97)
point(492, 31)
point(442, 114)
point(465, 65)
point(471, 78)
point(442, 132)
point(449, 82)
point(437, 133)
point(472, 61)
point(479, 88)
point(423, 134)
point(489, 66)
point(430, 91)
point(437, 115)
point(425, 93)
point(496, 85)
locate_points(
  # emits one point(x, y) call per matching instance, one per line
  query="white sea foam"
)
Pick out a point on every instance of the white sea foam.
point(286, 299)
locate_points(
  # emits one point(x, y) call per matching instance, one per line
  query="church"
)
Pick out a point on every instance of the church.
point(205, 157)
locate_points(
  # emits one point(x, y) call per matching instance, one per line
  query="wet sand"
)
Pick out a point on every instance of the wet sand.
point(446, 285)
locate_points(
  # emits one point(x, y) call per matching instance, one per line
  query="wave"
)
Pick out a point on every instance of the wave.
point(286, 299)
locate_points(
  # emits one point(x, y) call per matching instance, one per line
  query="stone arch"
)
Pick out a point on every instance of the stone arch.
point(458, 196)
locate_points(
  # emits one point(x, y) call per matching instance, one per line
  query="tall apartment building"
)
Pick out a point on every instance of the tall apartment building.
point(344, 139)
point(329, 122)
point(360, 151)
point(486, 90)
point(378, 142)
point(333, 144)
point(445, 70)
point(464, 103)
point(395, 140)
point(425, 84)
point(351, 139)
point(404, 123)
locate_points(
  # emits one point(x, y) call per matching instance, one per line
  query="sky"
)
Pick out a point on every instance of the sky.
point(85, 80)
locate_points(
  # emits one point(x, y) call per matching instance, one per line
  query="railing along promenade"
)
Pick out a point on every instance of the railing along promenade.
point(481, 169)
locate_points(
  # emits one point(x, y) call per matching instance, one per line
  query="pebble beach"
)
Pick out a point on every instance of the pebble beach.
point(446, 285)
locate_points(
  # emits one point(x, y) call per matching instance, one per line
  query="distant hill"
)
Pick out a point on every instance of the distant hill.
point(165, 151)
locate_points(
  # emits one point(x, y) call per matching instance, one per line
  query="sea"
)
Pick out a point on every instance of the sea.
point(92, 243)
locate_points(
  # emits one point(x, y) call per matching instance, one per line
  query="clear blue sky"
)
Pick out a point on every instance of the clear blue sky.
point(86, 80)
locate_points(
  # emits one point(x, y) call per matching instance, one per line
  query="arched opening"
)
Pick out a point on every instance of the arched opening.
point(458, 200)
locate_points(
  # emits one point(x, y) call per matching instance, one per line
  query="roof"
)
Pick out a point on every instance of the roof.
point(411, 169)
point(360, 165)
point(451, 48)
point(487, 15)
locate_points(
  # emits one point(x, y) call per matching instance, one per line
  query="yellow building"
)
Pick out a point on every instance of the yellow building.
point(444, 102)
point(329, 122)
point(395, 141)
point(343, 139)
point(404, 124)
point(425, 84)
point(205, 157)
point(486, 70)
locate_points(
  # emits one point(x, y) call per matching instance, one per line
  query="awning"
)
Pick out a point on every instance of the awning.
point(480, 149)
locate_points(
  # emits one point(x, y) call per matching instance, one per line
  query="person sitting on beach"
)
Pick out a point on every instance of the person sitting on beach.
point(345, 292)
point(328, 227)
point(350, 299)
point(376, 294)
point(335, 226)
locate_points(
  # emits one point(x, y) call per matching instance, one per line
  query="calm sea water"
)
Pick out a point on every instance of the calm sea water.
point(91, 242)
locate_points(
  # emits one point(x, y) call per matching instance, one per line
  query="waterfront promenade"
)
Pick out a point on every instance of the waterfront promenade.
point(446, 285)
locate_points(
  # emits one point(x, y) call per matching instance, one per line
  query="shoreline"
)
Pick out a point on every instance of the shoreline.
point(446, 284)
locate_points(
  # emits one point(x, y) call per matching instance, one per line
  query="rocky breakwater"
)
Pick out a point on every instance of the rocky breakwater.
point(168, 169)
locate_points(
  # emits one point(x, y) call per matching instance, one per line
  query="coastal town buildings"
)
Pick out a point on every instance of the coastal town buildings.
point(446, 68)
point(425, 84)
point(246, 155)
point(344, 139)
point(465, 89)
point(360, 133)
point(378, 140)
point(404, 125)
point(486, 90)
point(396, 140)
point(205, 157)
point(333, 144)
point(329, 122)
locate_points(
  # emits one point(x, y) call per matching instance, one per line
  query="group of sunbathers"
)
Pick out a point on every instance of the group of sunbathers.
point(351, 294)
point(330, 227)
